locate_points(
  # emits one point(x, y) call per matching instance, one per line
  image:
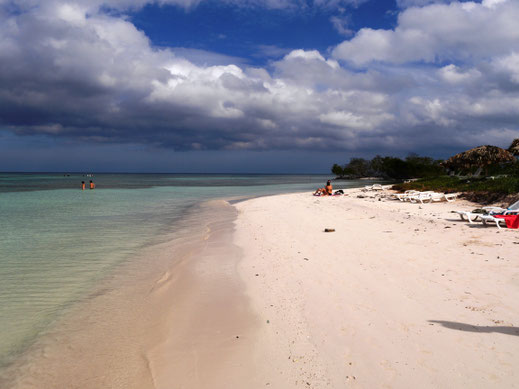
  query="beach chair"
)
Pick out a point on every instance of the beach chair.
point(406, 195)
point(492, 219)
point(514, 206)
point(472, 216)
point(450, 197)
point(430, 197)
point(374, 187)
point(421, 197)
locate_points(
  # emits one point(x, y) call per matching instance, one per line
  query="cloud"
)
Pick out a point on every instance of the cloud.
point(467, 32)
point(419, 3)
point(452, 74)
point(69, 70)
point(340, 23)
point(123, 5)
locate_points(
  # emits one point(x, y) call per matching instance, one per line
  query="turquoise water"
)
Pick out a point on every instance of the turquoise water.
point(57, 241)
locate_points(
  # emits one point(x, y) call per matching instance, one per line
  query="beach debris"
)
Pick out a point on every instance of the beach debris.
point(257, 275)
point(237, 337)
point(329, 230)
point(306, 259)
point(268, 321)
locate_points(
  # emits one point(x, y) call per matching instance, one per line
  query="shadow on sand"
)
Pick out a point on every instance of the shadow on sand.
point(472, 328)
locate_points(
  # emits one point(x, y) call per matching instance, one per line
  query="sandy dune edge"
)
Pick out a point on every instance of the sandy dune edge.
point(399, 296)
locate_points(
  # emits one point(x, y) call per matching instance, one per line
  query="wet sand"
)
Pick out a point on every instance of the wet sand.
point(176, 317)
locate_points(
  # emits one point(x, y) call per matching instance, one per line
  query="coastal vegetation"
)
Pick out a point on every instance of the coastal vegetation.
point(413, 166)
point(478, 189)
point(483, 174)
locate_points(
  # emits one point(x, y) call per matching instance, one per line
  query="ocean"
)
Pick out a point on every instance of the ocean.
point(58, 243)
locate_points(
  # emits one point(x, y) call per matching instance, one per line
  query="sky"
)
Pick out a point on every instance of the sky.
point(261, 86)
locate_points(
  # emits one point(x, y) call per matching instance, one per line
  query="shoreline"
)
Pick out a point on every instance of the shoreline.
point(400, 295)
point(151, 311)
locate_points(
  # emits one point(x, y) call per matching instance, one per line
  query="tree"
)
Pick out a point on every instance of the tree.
point(358, 167)
point(338, 170)
point(413, 166)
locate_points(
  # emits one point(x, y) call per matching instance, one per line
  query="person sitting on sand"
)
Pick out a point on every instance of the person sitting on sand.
point(326, 191)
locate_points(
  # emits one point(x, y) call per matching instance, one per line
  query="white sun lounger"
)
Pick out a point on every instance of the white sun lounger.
point(498, 220)
point(368, 188)
point(471, 216)
point(406, 195)
point(429, 197)
point(491, 219)
point(474, 216)
point(436, 197)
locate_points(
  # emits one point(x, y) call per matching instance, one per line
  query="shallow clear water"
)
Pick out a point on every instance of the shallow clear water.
point(57, 241)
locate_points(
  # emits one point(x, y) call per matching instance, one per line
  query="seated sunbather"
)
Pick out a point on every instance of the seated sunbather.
point(326, 191)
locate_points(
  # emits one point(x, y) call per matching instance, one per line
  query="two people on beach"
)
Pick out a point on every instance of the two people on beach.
point(92, 185)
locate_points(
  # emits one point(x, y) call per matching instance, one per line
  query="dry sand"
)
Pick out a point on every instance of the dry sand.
point(400, 296)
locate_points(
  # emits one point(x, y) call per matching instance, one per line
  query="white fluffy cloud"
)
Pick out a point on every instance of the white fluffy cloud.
point(69, 70)
point(92, 5)
point(419, 3)
point(435, 33)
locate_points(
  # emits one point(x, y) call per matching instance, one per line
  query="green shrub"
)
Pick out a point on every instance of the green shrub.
point(501, 185)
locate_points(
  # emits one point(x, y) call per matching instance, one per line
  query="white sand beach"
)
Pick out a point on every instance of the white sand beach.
point(400, 296)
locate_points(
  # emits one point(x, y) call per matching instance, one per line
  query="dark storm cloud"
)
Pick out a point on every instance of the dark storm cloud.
point(68, 70)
